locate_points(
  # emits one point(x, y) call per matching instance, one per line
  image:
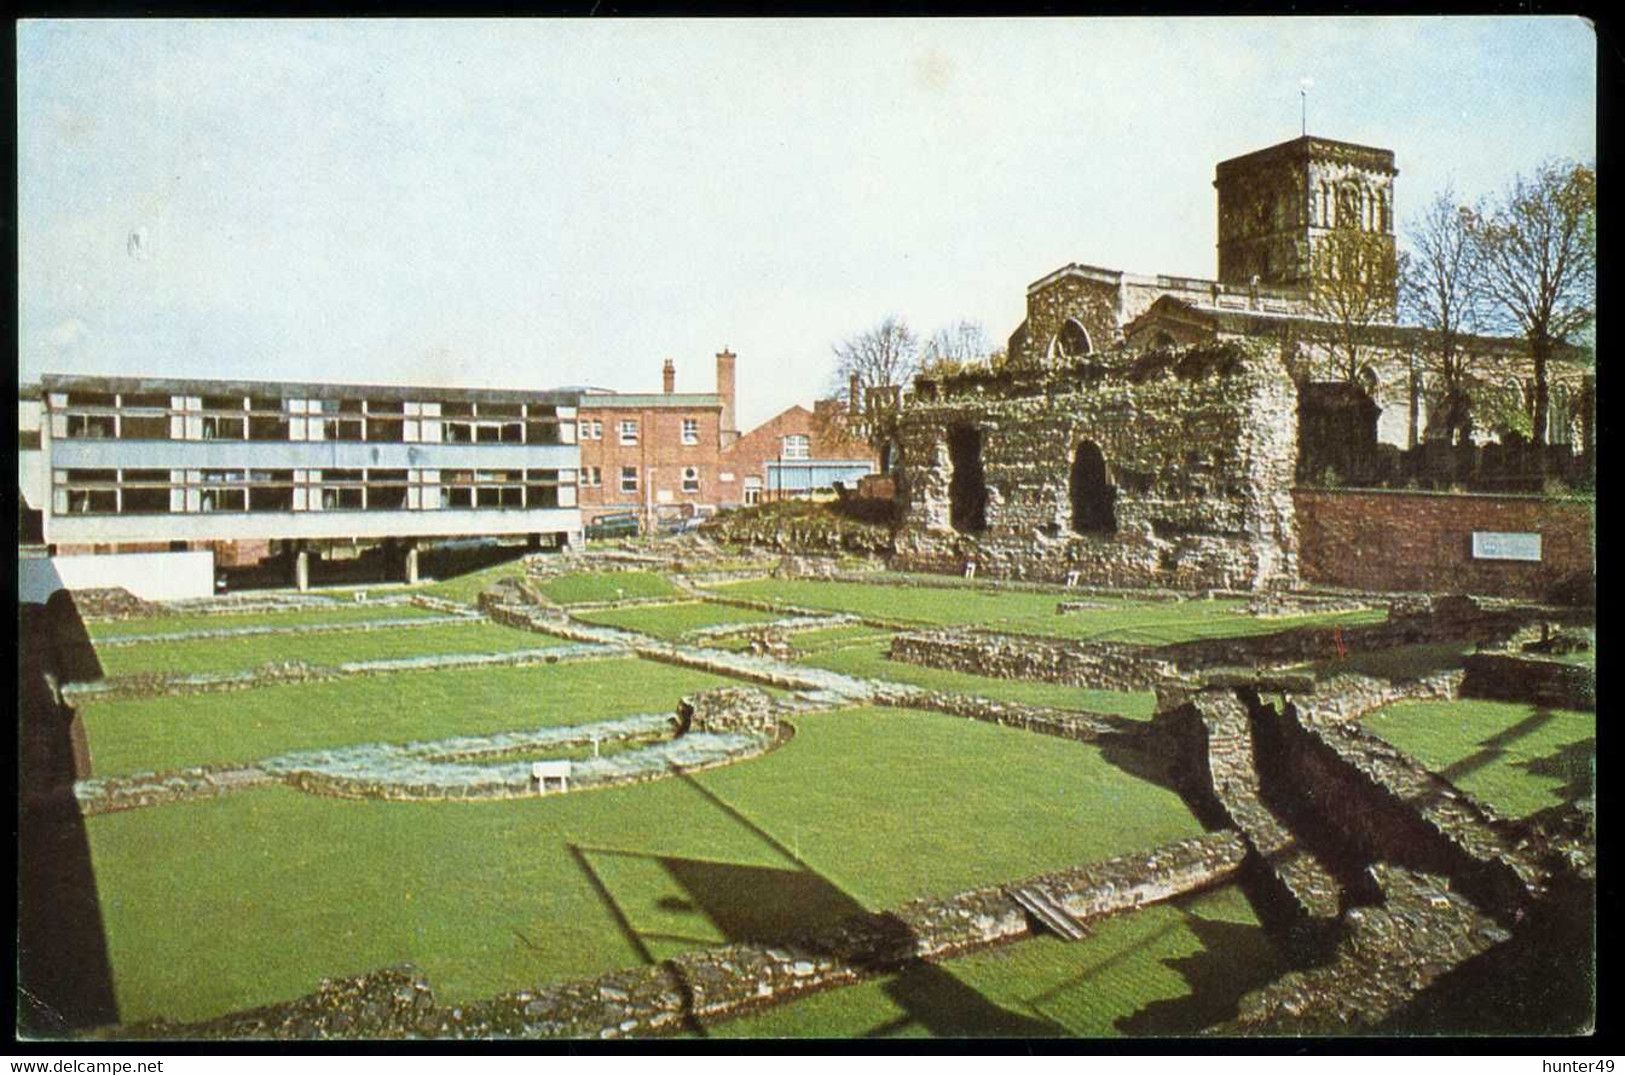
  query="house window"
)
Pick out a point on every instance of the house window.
point(691, 431)
point(797, 446)
point(629, 479)
point(592, 476)
point(629, 431)
point(691, 479)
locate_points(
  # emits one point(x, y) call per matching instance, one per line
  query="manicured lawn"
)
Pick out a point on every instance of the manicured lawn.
point(608, 586)
point(1518, 758)
point(670, 621)
point(1172, 968)
point(869, 661)
point(239, 901)
point(331, 648)
point(1032, 613)
point(359, 612)
point(156, 734)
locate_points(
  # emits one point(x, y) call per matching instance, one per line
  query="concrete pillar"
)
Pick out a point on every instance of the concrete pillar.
point(301, 569)
point(411, 565)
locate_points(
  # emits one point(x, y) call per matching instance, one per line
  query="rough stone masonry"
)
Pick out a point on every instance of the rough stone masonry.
point(1153, 469)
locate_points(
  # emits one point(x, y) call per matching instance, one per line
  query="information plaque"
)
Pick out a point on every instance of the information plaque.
point(1492, 545)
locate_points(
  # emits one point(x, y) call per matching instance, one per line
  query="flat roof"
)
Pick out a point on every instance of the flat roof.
point(57, 382)
point(629, 400)
point(1307, 146)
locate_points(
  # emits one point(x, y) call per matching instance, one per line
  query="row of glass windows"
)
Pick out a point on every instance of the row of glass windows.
point(130, 416)
point(145, 491)
point(593, 429)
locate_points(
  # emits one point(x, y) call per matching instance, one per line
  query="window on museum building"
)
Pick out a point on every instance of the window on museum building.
point(797, 446)
point(691, 431)
point(629, 479)
point(629, 431)
point(691, 479)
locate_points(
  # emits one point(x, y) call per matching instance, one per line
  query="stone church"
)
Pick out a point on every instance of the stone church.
point(1152, 430)
point(1274, 206)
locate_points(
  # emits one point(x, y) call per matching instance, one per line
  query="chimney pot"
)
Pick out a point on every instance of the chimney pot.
point(668, 377)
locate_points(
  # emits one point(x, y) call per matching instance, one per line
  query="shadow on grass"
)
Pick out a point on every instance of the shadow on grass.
point(1574, 763)
point(765, 905)
point(1495, 746)
point(1228, 967)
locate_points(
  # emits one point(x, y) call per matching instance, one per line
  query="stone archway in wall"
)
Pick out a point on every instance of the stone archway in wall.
point(967, 484)
point(1093, 496)
point(1072, 341)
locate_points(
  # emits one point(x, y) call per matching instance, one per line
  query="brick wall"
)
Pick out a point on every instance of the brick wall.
point(659, 449)
point(826, 439)
point(1374, 540)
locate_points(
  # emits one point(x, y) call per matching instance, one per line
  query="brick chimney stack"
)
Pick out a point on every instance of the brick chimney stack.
point(854, 396)
point(725, 389)
point(668, 377)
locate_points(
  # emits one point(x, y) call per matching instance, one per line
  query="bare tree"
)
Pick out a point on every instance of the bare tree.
point(1353, 286)
point(1537, 253)
point(1439, 290)
point(886, 354)
point(952, 348)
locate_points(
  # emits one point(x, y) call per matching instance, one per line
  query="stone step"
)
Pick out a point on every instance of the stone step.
point(1049, 913)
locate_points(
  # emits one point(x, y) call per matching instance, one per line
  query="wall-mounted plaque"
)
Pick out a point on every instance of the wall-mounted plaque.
point(1493, 545)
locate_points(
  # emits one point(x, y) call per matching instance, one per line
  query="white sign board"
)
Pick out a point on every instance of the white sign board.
point(1493, 545)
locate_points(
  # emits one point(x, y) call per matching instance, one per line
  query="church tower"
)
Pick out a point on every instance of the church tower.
point(1275, 203)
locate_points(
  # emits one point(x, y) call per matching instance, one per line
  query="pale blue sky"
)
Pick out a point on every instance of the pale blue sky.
point(544, 203)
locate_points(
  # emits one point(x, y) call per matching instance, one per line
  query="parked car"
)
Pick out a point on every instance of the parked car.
point(618, 524)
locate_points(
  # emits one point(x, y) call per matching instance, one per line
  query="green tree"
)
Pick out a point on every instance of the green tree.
point(1536, 251)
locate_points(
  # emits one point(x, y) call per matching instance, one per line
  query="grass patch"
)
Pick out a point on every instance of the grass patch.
point(331, 648)
point(583, 587)
point(670, 621)
point(156, 734)
point(1172, 968)
point(1150, 623)
point(869, 661)
point(1518, 758)
point(215, 906)
point(224, 621)
point(1395, 665)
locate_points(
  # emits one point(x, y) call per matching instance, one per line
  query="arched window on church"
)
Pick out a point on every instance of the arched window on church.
point(1072, 341)
point(1094, 499)
point(1559, 417)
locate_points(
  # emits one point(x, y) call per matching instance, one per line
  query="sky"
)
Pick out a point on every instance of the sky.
point(534, 204)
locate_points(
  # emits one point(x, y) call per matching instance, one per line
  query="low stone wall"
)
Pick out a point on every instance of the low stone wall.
point(148, 685)
point(1233, 775)
point(465, 616)
point(1383, 802)
point(713, 984)
point(113, 794)
point(728, 709)
point(1421, 932)
point(1098, 665)
point(1513, 678)
point(1077, 725)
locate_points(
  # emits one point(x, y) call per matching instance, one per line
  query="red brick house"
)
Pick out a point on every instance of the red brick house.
point(798, 453)
point(658, 454)
point(676, 454)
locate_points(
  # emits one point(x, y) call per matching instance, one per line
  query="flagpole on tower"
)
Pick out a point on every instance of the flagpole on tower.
point(1304, 86)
